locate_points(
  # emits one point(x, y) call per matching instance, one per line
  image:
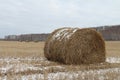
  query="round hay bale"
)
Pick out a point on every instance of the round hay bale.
point(75, 46)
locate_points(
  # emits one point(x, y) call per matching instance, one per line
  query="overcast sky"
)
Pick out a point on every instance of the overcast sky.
point(43, 16)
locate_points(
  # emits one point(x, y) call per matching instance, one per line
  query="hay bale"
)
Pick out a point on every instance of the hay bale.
point(75, 46)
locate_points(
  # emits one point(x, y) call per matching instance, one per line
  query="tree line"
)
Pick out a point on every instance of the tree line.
point(27, 37)
point(109, 33)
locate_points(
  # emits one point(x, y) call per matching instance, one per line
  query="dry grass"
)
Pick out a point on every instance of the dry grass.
point(21, 49)
point(25, 61)
point(113, 48)
point(32, 49)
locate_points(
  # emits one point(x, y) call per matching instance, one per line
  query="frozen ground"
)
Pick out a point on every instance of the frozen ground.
point(40, 69)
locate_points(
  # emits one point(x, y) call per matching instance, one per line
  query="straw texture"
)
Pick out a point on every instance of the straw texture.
point(75, 46)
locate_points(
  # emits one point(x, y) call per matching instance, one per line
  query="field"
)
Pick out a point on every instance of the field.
point(26, 61)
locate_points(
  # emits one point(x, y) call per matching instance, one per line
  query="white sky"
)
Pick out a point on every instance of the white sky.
point(43, 16)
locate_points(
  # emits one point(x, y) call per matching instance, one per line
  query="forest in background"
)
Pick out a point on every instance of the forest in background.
point(109, 33)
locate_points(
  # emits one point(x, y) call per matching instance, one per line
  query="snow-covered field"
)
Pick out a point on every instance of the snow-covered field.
point(40, 69)
point(25, 61)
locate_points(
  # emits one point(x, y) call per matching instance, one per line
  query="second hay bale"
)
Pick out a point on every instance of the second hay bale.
point(75, 46)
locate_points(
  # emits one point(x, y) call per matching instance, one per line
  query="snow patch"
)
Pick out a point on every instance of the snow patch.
point(113, 60)
point(101, 74)
point(64, 34)
point(6, 69)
